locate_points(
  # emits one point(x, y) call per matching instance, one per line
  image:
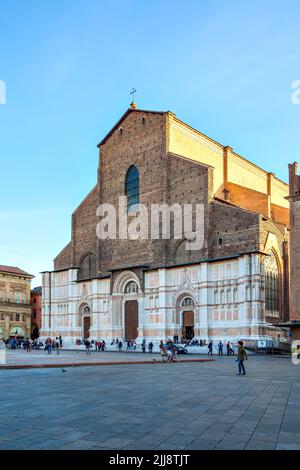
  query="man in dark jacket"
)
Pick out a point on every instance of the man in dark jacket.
point(241, 357)
point(87, 347)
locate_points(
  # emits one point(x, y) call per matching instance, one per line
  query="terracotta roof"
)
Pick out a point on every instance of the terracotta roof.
point(13, 270)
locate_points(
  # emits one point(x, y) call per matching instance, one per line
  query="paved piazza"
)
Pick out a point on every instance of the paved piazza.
point(153, 406)
point(20, 358)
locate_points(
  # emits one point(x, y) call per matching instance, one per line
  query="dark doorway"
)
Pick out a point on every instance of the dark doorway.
point(131, 319)
point(86, 327)
point(35, 332)
point(188, 325)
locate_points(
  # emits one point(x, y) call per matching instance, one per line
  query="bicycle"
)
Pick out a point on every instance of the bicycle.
point(169, 356)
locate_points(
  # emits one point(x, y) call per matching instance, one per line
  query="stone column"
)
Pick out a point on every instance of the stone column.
point(204, 301)
point(162, 300)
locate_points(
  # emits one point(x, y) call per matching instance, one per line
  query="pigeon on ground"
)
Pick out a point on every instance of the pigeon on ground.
point(63, 371)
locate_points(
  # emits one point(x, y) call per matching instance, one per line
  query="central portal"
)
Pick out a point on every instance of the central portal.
point(131, 319)
point(188, 325)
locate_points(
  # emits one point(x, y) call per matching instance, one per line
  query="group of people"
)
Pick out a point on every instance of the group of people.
point(53, 344)
point(166, 349)
point(131, 345)
point(144, 346)
point(241, 353)
point(229, 348)
point(18, 343)
point(28, 345)
point(99, 345)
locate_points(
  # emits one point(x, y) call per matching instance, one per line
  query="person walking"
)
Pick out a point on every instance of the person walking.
point(143, 347)
point(241, 357)
point(49, 345)
point(120, 345)
point(60, 341)
point(210, 348)
point(87, 347)
point(27, 345)
point(57, 345)
point(220, 348)
point(103, 346)
point(228, 348)
point(150, 347)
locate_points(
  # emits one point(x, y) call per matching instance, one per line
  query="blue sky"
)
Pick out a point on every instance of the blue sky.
point(224, 67)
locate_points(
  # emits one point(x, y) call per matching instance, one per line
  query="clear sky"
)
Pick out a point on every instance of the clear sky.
point(224, 67)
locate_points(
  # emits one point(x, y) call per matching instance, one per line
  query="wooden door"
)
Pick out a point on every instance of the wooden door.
point(86, 327)
point(188, 325)
point(131, 319)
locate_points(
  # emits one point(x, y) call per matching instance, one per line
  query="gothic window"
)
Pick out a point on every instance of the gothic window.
point(235, 295)
point(87, 268)
point(272, 285)
point(131, 288)
point(86, 310)
point(248, 292)
point(222, 297)
point(216, 300)
point(132, 187)
point(187, 302)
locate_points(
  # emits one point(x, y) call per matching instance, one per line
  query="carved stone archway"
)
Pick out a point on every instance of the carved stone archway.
point(85, 320)
point(185, 316)
point(127, 308)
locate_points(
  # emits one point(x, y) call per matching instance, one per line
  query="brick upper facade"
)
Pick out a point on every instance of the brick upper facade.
point(201, 171)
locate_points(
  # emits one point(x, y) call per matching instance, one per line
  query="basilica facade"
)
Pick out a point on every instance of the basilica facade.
point(234, 286)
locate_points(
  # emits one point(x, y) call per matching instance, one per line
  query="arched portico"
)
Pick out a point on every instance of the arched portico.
point(127, 305)
point(185, 316)
point(85, 316)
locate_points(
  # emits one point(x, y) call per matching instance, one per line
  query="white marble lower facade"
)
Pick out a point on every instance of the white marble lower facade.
point(226, 298)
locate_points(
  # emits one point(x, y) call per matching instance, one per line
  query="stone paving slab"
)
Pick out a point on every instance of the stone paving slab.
point(182, 406)
point(19, 359)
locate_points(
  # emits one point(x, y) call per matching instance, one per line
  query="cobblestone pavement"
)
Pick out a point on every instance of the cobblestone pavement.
point(153, 406)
